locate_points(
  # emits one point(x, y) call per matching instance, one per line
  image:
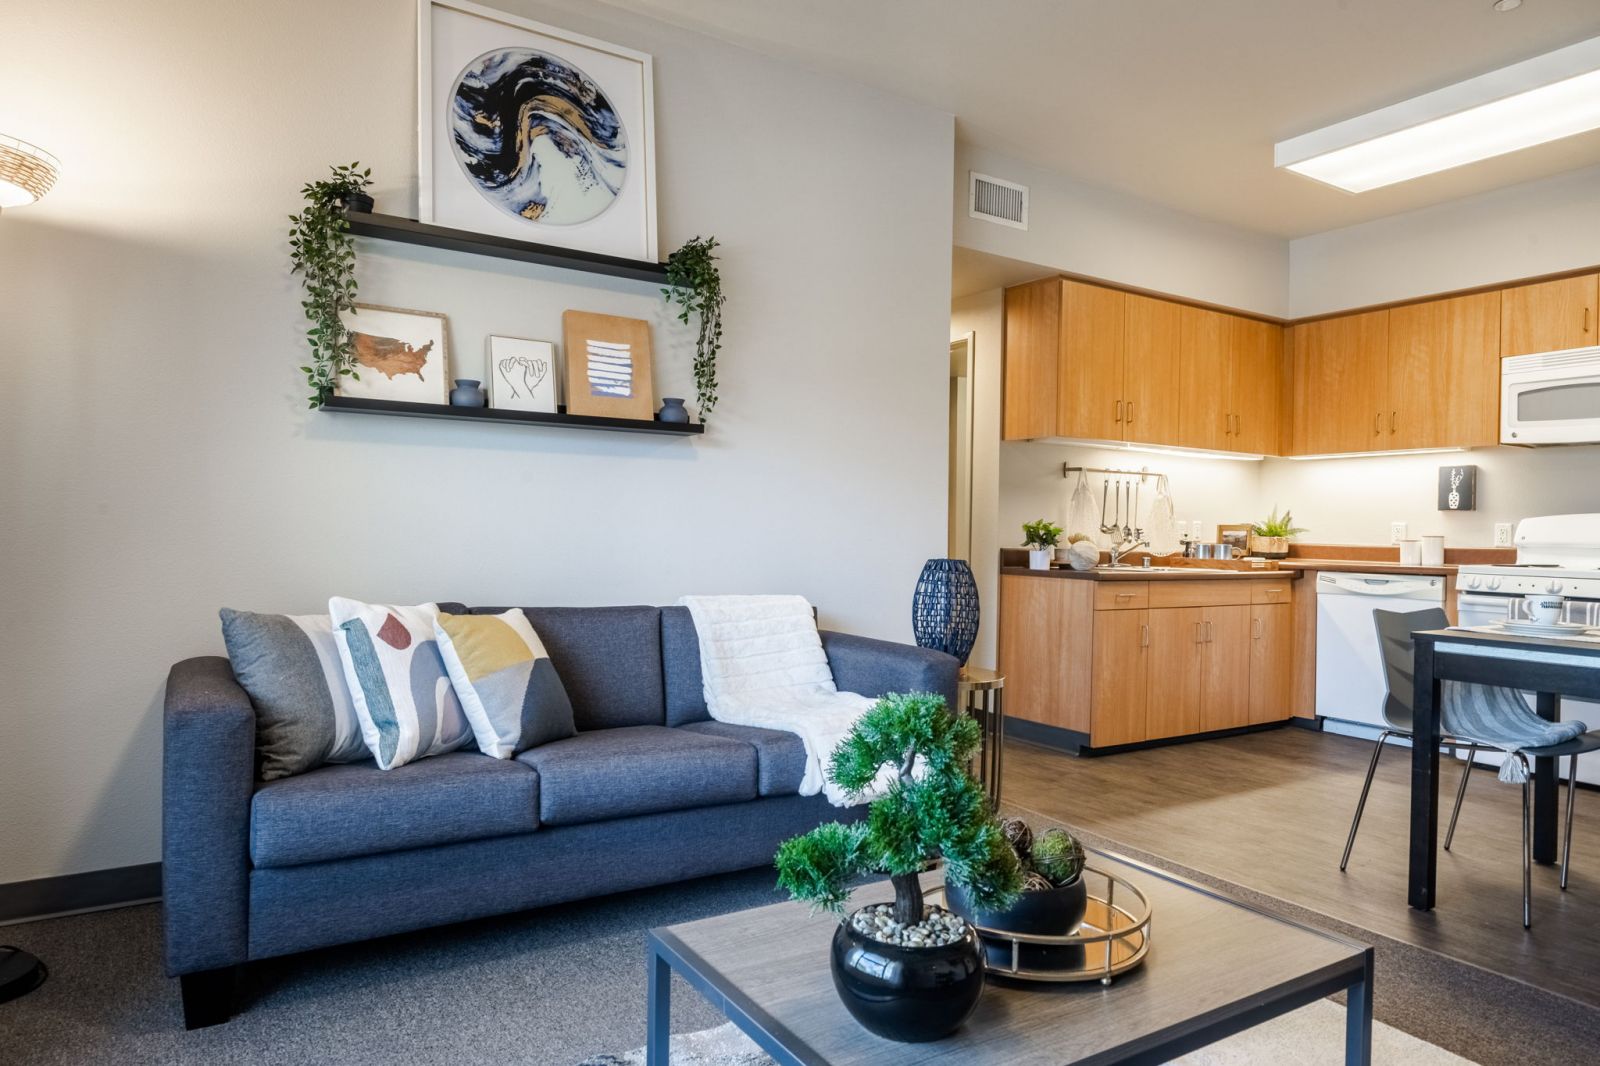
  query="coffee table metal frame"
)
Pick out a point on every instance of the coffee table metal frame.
point(665, 953)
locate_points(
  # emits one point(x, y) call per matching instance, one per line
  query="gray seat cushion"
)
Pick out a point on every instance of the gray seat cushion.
point(614, 773)
point(780, 756)
point(608, 658)
point(337, 812)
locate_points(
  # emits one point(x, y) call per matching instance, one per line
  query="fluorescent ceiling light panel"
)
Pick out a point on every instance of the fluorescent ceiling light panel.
point(1542, 99)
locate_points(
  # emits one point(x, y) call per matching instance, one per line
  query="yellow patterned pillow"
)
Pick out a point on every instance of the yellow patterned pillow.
point(508, 687)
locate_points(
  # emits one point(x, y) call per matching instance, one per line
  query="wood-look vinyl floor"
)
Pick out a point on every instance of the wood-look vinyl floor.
point(1269, 812)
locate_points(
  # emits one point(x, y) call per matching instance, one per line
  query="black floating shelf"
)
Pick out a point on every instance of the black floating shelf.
point(358, 405)
point(410, 231)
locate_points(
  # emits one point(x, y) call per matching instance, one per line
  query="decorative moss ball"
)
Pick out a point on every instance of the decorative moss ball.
point(1058, 856)
point(1036, 882)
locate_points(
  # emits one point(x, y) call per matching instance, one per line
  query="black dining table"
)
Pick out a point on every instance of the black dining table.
point(1547, 667)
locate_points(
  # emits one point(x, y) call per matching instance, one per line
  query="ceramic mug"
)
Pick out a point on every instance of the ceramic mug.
point(1411, 553)
point(1433, 550)
point(1543, 608)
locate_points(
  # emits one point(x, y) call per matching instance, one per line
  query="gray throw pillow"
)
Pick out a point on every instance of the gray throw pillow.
point(289, 665)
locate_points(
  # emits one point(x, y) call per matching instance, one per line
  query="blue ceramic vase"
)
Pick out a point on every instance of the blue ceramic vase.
point(468, 393)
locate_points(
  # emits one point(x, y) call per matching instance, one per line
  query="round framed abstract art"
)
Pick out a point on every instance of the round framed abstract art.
point(534, 133)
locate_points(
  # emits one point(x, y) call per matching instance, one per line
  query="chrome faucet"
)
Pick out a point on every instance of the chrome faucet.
point(1132, 540)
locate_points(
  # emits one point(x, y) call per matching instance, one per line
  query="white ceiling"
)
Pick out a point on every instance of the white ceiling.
point(1175, 101)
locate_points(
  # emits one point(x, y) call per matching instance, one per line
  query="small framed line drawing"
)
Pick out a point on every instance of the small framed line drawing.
point(1458, 488)
point(522, 375)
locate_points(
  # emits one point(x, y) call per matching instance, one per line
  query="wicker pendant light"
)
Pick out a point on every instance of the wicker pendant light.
point(26, 172)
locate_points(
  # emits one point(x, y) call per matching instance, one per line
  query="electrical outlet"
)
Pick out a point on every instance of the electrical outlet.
point(1502, 534)
point(1397, 532)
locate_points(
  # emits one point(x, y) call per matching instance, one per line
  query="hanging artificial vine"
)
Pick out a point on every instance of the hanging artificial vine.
point(325, 256)
point(696, 287)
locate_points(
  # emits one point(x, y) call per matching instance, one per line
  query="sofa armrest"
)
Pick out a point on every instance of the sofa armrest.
point(207, 779)
point(878, 667)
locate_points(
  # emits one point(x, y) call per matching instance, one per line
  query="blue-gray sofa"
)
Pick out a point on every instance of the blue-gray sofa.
point(649, 791)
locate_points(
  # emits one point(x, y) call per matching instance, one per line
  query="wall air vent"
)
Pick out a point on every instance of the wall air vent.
point(997, 200)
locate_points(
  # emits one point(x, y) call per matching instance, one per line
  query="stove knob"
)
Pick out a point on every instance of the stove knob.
point(1554, 587)
point(1473, 582)
point(1494, 583)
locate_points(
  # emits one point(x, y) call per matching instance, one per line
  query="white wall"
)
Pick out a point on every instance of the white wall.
point(158, 459)
point(1540, 227)
point(1082, 229)
point(983, 315)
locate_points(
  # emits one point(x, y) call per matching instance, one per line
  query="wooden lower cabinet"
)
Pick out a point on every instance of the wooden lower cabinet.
point(1271, 662)
point(1173, 688)
point(1225, 668)
point(1121, 669)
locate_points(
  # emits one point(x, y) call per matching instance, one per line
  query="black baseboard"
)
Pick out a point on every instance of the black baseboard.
point(1049, 736)
point(1075, 743)
point(1313, 724)
point(71, 893)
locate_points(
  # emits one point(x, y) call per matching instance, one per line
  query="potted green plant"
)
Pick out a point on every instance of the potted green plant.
point(695, 285)
point(1040, 539)
point(1052, 902)
point(1270, 539)
point(904, 970)
point(324, 255)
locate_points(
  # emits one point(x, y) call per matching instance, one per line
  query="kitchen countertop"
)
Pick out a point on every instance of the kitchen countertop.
point(1366, 566)
point(1135, 573)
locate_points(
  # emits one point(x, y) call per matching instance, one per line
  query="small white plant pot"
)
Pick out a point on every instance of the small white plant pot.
point(1039, 559)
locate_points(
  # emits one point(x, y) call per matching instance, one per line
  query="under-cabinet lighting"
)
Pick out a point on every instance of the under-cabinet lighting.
point(1539, 100)
point(1153, 449)
point(1377, 455)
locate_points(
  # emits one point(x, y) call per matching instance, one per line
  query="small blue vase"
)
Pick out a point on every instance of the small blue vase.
point(672, 410)
point(468, 393)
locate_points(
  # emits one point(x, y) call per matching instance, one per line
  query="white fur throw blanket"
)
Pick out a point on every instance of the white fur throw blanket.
point(764, 666)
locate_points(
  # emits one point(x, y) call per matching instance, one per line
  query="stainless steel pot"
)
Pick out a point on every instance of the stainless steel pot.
point(1213, 551)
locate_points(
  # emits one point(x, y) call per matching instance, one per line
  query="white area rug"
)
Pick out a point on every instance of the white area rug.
point(1310, 1036)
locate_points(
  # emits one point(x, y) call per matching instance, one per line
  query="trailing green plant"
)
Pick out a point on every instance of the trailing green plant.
point(695, 285)
point(937, 812)
point(1041, 534)
point(324, 256)
point(1277, 527)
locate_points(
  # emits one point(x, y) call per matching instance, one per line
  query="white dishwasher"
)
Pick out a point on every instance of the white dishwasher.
point(1350, 678)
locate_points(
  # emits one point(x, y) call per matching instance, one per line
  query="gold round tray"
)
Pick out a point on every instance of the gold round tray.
point(1114, 936)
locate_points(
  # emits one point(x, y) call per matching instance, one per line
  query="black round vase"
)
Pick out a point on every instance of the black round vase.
point(1043, 912)
point(359, 202)
point(912, 995)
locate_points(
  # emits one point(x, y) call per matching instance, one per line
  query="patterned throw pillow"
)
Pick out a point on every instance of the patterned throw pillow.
point(402, 694)
point(509, 689)
point(289, 665)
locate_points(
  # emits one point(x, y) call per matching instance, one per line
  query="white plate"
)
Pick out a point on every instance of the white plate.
point(1544, 629)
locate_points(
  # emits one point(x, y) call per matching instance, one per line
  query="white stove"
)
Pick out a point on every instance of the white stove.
point(1556, 554)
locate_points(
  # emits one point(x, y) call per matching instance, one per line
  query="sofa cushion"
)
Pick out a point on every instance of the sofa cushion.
point(680, 663)
point(337, 812)
point(780, 756)
point(613, 773)
point(609, 659)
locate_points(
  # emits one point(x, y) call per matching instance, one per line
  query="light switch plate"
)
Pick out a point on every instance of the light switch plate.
point(1502, 534)
point(1397, 532)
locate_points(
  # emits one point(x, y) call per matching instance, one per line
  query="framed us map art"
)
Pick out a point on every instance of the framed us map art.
point(530, 132)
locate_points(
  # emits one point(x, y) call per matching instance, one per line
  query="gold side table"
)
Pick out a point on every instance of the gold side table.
point(980, 692)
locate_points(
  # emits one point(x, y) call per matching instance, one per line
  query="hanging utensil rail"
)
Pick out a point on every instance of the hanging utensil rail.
point(1067, 470)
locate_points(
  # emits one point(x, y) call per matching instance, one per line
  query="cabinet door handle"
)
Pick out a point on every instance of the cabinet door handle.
point(1144, 636)
point(1119, 410)
point(1197, 639)
point(1255, 628)
point(1391, 420)
point(1124, 596)
point(1208, 632)
point(1377, 423)
point(1237, 427)
point(1586, 320)
point(1130, 412)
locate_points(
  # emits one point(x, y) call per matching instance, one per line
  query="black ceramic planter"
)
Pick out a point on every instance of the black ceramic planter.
point(1047, 912)
point(908, 994)
point(359, 202)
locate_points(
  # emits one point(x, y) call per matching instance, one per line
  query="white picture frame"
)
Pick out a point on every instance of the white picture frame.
point(452, 36)
point(400, 354)
point(523, 375)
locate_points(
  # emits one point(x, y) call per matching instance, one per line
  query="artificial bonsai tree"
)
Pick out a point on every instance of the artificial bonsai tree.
point(928, 811)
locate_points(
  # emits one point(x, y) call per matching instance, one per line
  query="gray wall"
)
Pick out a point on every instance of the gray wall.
point(159, 461)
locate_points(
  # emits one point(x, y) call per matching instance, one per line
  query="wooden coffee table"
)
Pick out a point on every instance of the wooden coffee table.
point(1215, 968)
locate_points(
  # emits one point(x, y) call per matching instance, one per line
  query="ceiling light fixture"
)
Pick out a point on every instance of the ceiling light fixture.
point(1507, 5)
point(1542, 99)
point(26, 172)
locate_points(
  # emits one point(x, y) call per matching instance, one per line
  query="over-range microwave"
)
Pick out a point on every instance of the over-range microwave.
point(1551, 398)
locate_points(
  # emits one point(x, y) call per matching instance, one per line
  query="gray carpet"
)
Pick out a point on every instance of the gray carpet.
point(551, 986)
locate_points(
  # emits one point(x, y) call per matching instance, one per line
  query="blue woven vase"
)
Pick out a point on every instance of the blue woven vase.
point(944, 611)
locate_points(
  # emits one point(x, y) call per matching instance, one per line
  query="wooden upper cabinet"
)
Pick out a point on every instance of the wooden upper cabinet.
point(1150, 371)
point(1256, 381)
point(1089, 398)
point(1340, 370)
point(1207, 338)
point(1550, 316)
point(1444, 374)
point(1029, 380)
